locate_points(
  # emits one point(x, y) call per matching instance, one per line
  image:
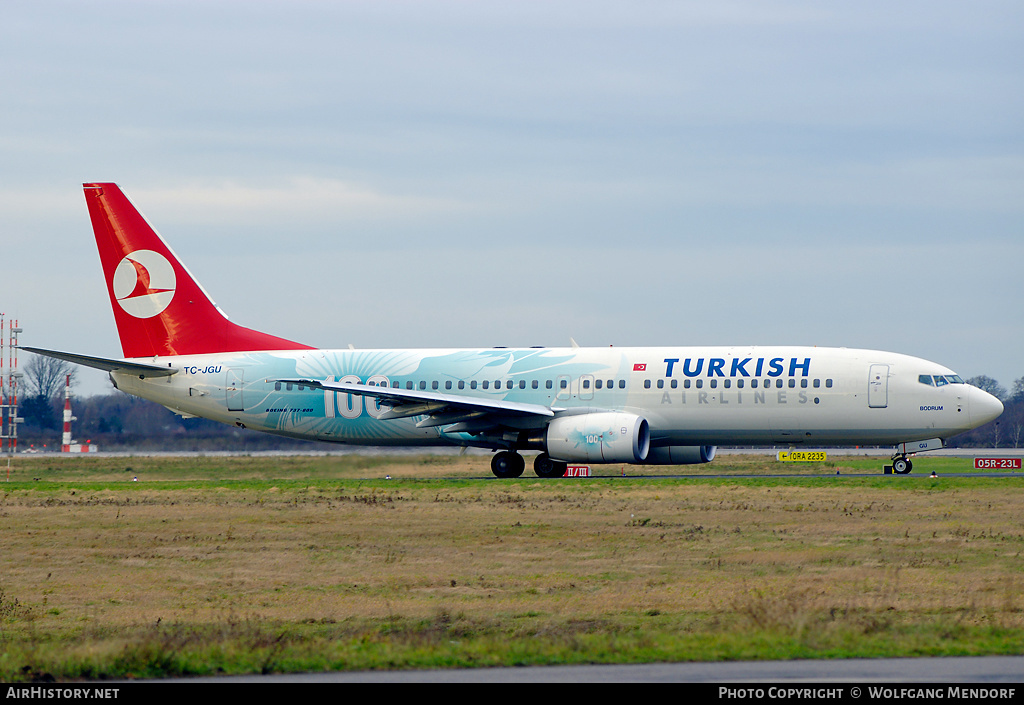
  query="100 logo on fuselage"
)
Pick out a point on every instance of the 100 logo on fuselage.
point(352, 406)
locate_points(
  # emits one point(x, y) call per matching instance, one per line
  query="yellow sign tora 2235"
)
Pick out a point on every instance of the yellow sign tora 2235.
point(801, 456)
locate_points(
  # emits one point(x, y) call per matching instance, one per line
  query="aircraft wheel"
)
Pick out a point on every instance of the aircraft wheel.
point(507, 464)
point(902, 466)
point(544, 466)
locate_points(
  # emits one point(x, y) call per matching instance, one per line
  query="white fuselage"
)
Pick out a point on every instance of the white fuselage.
point(689, 396)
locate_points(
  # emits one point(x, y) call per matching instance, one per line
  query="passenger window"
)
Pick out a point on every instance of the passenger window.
point(448, 384)
point(423, 385)
point(792, 383)
point(522, 384)
point(739, 384)
point(675, 383)
point(433, 385)
point(778, 384)
point(661, 384)
point(563, 383)
point(472, 384)
point(817, 383)
point(408, 385)
point(586, 384)
point(803, 384)
point(828, 383)
point(686, 384)
point(535, 384)
point(597, 384)
point(727, 383)
point(714, 384)
point(700, 383)
point(548, 384)
point(486, 384)
point(508, 384)
point(277, 386)
point(753, 384)
point(647, 384)
point(622, 384)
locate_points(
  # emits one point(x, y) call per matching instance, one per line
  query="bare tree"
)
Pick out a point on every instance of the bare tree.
point(45, 377)
point(989, 385)
point(1017, 393)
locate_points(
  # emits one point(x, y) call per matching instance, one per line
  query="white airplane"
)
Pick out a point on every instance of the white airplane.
point(671, 405)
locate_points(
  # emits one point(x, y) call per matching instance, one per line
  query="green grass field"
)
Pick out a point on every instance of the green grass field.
point(271, 564)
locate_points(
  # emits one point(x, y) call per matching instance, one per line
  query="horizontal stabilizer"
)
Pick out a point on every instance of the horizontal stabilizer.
point(107, 364)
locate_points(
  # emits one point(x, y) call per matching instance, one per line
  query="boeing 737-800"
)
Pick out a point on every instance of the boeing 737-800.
point(671, 405)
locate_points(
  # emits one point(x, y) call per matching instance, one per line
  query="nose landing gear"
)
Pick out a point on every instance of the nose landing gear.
point(901, 464)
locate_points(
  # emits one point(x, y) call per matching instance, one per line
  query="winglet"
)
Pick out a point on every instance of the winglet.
point(158, 306)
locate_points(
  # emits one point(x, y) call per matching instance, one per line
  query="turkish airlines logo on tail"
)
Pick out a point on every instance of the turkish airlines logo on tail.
point(144, 283)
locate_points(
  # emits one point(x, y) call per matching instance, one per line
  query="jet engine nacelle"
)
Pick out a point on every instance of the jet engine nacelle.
point(681, 455)
point(599, 437)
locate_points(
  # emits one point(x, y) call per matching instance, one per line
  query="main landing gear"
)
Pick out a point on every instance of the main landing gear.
point(508, 463)
point(546, 466)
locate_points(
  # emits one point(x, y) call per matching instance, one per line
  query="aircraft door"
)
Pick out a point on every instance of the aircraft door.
point(233, 389)
point(878, 386)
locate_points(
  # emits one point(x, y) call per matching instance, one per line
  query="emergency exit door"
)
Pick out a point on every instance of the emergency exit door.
point(233, 389)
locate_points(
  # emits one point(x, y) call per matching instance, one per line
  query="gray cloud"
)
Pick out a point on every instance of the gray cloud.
point(449, 173)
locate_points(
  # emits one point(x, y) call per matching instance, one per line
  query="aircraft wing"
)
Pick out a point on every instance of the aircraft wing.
point(107, 364)
point(468, 414)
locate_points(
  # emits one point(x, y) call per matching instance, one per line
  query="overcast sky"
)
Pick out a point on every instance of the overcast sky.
point(435, 174)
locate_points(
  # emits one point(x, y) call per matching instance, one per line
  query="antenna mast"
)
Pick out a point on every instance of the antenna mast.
point(10, 377)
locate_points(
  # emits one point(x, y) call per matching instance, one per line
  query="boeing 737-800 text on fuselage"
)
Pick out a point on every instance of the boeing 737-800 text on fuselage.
point(669, 405)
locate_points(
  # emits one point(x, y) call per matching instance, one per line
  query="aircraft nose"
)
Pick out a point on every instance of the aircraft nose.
point(983, 406)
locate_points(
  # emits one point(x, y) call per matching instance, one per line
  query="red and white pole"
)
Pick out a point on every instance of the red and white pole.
point(14, 386)
point(68, 418)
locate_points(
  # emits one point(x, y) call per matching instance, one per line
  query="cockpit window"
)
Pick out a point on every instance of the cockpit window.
point(939, 380)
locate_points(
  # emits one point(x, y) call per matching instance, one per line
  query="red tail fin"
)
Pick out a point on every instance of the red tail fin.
point(159, 308)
